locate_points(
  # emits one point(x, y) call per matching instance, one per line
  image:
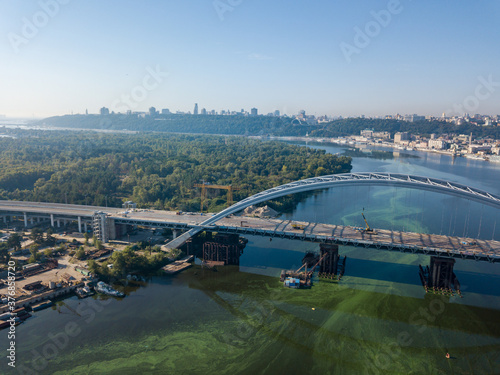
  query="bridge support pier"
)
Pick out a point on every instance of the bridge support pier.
point(103, 227)
point(85, 226)
point(224, 249)
point(80, 224)
point(175, 234)
point(439, 276)
point(51, 220)
point(25, 220)
point(331, 265)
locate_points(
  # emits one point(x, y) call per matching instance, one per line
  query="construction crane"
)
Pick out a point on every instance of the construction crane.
point(368, 229)
point(204, 188)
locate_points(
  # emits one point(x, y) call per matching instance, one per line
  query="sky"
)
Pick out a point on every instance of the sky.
point(335, 58)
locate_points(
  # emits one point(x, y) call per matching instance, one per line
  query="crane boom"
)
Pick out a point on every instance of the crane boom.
point(368, 229)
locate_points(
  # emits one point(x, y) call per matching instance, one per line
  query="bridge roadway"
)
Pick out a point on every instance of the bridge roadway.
point(407, 242)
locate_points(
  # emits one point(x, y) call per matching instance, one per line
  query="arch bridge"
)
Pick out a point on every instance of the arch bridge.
point(344, 179)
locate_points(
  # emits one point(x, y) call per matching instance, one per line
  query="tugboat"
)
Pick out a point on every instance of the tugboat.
point(83, 292)
point(104, 288)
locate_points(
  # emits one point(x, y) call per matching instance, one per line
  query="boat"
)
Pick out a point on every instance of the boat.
point(42, 305)
point(104, 288)
point(6, 316)
point(8, 323)
point(292, 282)
point(474, 157)
point(84, 292)
point(494, 158)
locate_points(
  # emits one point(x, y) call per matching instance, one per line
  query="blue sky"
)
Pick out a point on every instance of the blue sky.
point(428, 58)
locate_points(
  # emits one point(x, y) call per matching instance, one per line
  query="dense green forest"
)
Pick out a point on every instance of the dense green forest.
point(262, 125)
point(204, 124)
point(154, 170)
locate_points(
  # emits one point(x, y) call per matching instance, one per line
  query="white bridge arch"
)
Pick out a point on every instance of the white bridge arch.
point(362, 178)
point(391, 179)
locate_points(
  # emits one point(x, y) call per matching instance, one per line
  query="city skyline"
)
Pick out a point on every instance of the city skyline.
point(370, 58)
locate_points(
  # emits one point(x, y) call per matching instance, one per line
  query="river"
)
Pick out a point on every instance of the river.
point(240, 320)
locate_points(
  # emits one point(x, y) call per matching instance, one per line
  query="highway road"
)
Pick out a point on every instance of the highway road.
point(487, 250)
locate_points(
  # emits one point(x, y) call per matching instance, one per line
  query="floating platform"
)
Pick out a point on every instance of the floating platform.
point(178, 265)
point(295, 279)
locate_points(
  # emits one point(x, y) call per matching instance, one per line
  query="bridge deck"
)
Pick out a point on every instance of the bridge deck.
point(384, 239)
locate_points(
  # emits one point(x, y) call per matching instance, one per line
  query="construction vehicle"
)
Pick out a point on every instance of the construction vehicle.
point(298, 226)
point(368, 229)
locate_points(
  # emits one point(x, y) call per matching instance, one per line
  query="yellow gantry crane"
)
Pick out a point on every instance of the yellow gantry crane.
point(204, 187)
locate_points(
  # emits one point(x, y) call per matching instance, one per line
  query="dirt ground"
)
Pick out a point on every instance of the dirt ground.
point(64, 262)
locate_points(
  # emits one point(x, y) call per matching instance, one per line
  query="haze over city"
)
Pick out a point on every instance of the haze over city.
point(329, 58)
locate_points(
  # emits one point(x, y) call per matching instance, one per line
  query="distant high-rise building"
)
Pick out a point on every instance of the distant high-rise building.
point(86, 111)
point(401, 137)
point(413, 118)
point(104, 111)
point(277, 113)
point(195, 112)
point(254, 112)
point(165, 111)
point(203, 111)
point(152, 111)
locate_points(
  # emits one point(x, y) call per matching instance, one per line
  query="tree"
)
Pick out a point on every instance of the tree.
point(80, 253)
point(93, 267)
point(48, 235)
point(98, 245)
point(4, 252)
point(14, 241)
point(36, 235)
point(34, 253)
point(86, 236)
point(48, 253)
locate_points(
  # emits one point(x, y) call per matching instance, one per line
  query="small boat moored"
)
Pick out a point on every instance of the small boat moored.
point(104, 288)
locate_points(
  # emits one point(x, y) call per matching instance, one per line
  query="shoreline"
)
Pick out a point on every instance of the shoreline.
point(334, 141)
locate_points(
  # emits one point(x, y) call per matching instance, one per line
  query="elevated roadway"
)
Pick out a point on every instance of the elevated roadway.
point(418, 243)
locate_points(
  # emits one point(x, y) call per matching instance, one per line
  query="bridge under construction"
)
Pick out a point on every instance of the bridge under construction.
point(107, 223)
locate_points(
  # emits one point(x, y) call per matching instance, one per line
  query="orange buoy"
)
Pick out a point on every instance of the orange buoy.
point(448, 355)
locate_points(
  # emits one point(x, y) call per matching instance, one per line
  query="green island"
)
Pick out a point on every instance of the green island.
point(153, 170)
point(263, 125)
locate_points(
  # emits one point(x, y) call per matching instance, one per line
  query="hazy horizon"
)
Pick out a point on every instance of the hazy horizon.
point(338, 59)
